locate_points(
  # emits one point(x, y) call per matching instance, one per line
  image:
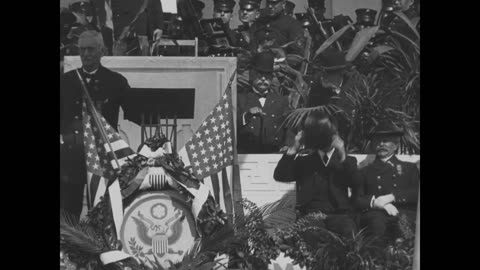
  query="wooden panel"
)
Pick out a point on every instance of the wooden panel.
point(256, 175)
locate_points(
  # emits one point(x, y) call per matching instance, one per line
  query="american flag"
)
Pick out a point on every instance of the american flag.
point(101, 164)
point(210, 150)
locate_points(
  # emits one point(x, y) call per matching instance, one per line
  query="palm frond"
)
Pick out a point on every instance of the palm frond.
point(404, 17)
point(81, 238)
point(331, 40)
point(217, 240)
point(281, 212)
point(360, 42)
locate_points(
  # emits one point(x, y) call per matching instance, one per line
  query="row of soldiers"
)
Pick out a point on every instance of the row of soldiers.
point(276, 25)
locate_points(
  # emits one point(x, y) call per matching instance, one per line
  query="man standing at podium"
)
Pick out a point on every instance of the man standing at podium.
point(107, 89)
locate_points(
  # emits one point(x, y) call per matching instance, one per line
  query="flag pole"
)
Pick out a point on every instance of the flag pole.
point(96, 118)
point(236, 185)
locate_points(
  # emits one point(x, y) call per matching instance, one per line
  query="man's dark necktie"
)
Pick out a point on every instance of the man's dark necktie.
point(89, 76)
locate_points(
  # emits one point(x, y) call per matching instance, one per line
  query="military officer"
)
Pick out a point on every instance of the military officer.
point(261, 111)
point(248, 13)
point(388, 187)
point(107, 90)
point(274, 29)
point(223, 9)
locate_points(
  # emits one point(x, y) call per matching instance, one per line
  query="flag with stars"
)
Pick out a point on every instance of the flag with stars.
point(101, 164)
point(210, 150)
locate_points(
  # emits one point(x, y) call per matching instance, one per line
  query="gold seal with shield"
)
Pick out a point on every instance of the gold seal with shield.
point(158, 224)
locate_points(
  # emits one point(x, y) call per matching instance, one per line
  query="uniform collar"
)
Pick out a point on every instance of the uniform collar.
point(393, 160)
point(90, 73)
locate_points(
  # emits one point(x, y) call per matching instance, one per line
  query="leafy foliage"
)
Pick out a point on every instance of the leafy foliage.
point(382, 85)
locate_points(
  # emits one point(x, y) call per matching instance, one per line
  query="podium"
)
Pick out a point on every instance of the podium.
point(157, 110)
point(192, 86)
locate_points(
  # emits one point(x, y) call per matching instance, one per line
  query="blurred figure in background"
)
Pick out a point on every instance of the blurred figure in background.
point(248, 13)
point(135, 23)
point(289, 7)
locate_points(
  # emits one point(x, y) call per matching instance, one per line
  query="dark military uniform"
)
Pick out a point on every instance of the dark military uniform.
point(261, 134)
point(107, 89)
point(382, 178)
point(242, 32)
point(124, 11)
point(322, 188)
point(280, 29)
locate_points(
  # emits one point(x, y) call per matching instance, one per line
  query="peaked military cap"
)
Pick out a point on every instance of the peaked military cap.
point(250, 4)
point(316, 4)
point(224, 5)
point(366, 16)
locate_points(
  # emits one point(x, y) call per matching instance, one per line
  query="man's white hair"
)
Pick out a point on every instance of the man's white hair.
point(97, 36)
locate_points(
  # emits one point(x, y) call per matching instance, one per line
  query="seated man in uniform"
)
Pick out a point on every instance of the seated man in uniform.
point(388, 187)
point(261, 110)
point(323, 173)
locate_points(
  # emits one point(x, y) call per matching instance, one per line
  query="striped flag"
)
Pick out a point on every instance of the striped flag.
point(101, 164)
point(210, 151)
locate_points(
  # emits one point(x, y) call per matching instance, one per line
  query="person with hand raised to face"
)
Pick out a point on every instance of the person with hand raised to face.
point(323, 173)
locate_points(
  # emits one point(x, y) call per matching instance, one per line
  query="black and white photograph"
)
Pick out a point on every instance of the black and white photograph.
point(240, 134)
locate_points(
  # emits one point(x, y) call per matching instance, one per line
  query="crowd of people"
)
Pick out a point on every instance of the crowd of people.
point(314, 157)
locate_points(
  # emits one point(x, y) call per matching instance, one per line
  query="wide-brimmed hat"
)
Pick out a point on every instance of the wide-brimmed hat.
point(386, 128)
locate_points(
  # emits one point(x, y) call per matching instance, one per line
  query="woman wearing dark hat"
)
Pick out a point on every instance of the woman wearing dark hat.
point(388, 188)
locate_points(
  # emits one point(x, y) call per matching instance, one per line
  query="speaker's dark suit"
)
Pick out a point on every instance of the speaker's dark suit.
point(107, 89)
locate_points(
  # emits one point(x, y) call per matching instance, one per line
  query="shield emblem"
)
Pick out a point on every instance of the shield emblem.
point(158, 224)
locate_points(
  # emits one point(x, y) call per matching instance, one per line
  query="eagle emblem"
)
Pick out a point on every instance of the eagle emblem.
point(158, 234)
point(158, 225)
